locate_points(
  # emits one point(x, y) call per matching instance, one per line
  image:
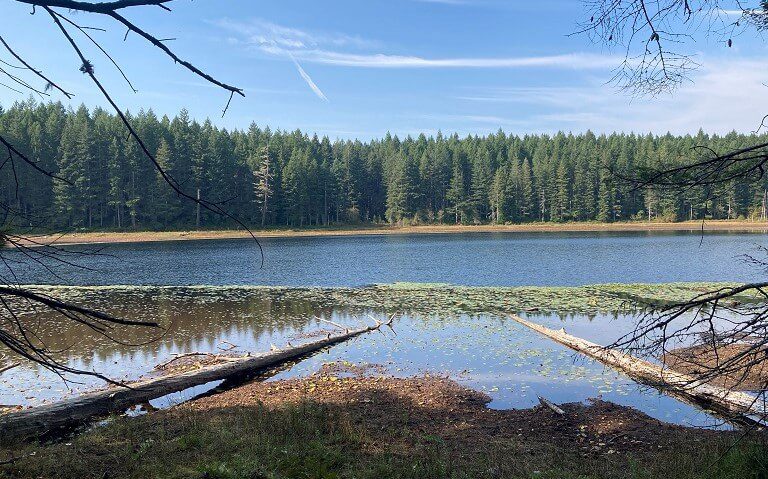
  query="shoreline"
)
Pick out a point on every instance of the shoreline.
point(357, 423)
point(162, 236)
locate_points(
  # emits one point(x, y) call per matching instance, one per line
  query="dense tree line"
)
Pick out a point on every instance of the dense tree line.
point(273, 178)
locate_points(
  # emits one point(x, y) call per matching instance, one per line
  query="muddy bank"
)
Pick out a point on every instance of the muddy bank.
point(735, 366)
point(349, 421)
point(150, 236)
point(439, 406)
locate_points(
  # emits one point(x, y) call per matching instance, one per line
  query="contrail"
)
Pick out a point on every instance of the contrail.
point(307, 79)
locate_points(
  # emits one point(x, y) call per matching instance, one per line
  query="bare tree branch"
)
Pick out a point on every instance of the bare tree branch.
point(653, 35)
point(722, 335)
point(48, 81)
point(97, 7)
point(17, 336)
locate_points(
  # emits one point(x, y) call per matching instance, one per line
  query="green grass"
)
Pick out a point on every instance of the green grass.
point(312, 441)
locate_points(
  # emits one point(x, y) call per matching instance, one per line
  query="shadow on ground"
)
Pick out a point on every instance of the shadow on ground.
point(336, 424)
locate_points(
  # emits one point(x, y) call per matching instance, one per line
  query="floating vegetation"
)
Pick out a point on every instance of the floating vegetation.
point(457, 331)
point(421, 298)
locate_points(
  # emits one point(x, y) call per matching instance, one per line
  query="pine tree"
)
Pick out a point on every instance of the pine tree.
point(499, 198)
point(583, 193)
point(165, 206)
point(74, 199)
point(263, 185)
point(295, 188)
point(312, 181)
point(457, 193)
point(402, 193)
point(560, 204)
point(118, 181)
point(480, 186)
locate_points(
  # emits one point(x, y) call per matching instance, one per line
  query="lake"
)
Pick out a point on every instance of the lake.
point(482, 259)
point(483, 351)
point(493, 354)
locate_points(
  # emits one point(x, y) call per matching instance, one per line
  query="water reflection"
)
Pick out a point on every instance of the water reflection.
point(490, 353)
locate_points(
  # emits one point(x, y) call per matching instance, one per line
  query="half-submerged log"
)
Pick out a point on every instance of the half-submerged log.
point(40, 420)
point(736, 407)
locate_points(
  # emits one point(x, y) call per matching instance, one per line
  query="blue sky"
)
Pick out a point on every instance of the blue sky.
point(357, 69)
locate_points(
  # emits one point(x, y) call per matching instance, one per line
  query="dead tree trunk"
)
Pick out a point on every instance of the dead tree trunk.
point(736, 407)
point(33, 422)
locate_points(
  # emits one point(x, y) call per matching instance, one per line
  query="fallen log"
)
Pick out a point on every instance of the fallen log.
point(736, 407)
point(36, 421)
point(549, 404)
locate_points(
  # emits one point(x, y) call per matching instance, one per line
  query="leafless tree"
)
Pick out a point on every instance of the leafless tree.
point(23, 75)
point(721, 335)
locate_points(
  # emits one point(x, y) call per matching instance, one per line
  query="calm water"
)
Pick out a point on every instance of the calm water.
point(497, 356)
point(504, 259)
point(512, 364)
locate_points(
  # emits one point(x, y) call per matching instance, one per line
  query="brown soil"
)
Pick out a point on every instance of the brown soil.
point(371, 426)
point(345, 368)
point(439, 407)
point(148, 236)
point(748, 373)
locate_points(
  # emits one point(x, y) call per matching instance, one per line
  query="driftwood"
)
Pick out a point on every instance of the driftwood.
point(39, 420)
point(549, 404)
point(736, 407)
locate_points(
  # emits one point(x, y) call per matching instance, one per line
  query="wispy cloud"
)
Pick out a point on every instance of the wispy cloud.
point(308, 79)
point(284, 41)
point(267, 34)
point(471, 3)
point(246, 88)
point(725, 95)
point(334, 49)
point(494, 121)
point(580, 61)
point(544, 96)
point(741, 13)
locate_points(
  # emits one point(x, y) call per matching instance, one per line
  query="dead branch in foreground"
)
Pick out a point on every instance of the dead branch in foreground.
point(737, 408)
point(14, 335)
point(39, 420)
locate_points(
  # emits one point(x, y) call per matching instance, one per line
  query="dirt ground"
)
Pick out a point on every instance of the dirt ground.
point(148, 236)
point(440, 407)
point(352, 421)
point(749, 372)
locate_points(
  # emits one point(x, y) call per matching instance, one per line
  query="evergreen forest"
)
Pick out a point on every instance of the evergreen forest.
point(269, 178)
